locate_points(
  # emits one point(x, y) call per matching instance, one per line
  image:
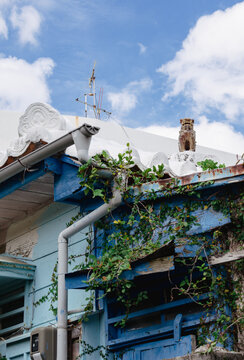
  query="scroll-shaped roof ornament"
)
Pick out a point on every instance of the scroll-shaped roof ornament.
point(39, 115)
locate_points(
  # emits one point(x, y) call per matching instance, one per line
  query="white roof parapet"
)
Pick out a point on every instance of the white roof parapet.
point(41, 122)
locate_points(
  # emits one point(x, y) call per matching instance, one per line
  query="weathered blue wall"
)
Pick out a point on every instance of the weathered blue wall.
point(38, 236)
point(49, 225)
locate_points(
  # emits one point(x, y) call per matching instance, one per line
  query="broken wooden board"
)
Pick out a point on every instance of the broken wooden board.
point(159, 265)
point(228, 257)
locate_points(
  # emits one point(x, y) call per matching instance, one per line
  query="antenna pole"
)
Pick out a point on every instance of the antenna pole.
point(94, 91)
point(85, 105)
point(96, 107)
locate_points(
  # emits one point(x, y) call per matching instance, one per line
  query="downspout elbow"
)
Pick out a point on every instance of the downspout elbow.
point(82, 140)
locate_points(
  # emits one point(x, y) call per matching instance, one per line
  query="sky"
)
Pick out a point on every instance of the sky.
point(156, 62)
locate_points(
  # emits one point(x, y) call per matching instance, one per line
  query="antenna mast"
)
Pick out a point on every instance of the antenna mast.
point(96, 107)
point(92, 84)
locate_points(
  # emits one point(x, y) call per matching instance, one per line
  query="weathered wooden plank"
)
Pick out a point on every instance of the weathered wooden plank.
point(163, 307)
point(15, 271)
point(177, 327)
point(10, 213)
point(39, 187)
point(78, 279)
point(207, 220)
point(54, 165)
point(19, 180)
point(15, 205)
point(228, 257)
point(165, 330)
point(150, 267)
point(164, 250)
point(11, 328)
point(11, 313)
point(11, 298)
point(48, 178)
point(64, 189)
point(161, 349)
point(26, 196)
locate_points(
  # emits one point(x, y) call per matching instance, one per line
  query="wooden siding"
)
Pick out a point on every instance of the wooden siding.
point(25, 201)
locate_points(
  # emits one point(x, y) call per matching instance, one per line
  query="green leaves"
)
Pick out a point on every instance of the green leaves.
point(140, 228)
point(209, 164)
point(98, 192)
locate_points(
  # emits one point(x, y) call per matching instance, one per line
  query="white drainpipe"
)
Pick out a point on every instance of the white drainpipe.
point(62, 341)
point(82, 138)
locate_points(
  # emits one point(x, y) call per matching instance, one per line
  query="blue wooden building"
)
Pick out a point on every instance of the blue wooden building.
point(39, 194)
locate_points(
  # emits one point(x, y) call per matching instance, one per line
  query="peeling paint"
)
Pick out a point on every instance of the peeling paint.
point(23, 245)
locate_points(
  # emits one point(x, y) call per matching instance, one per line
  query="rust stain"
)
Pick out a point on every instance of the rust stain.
point(164, 182)
point(187, 179)
point(227, 172)
point(237, 169)
point(32, 147)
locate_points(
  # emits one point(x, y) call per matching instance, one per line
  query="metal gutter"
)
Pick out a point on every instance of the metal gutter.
point(80, 136)
point(216, 177)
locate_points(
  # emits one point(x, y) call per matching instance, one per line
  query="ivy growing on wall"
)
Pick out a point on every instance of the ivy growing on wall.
point(139, 229)
point(143, 224)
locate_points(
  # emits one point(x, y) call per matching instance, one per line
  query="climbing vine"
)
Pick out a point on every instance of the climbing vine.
point(143, 224)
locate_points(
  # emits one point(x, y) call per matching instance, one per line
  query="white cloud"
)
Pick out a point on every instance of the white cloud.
point(125, 100)
point(3, 27)
point(22, 83)
point(142, 48)
point(4, 3)
point(216, 135)
point(27, 21)
point(209, 68)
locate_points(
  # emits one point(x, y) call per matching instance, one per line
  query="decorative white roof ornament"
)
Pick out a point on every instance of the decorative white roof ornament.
point(3, 157)
point(158, 159)
point(18, 146)
point(183, 163)
point(40, 115)
point(39, 122)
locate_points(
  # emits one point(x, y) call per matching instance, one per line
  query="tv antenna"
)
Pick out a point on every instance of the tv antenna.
point(92, 93)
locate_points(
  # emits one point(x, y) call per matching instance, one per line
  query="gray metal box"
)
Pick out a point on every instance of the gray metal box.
point(43, 343)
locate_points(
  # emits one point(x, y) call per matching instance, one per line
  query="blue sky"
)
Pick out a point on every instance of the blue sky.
point(157, 61)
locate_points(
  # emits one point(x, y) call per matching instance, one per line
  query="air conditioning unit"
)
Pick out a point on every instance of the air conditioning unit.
point(43, 343)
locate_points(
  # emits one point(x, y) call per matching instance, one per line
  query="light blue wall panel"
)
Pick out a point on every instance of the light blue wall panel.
point(77, 299)
point(51, 222)
point(91, 335)
point(18, 350)
point(44, 269)
point(49, 227)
